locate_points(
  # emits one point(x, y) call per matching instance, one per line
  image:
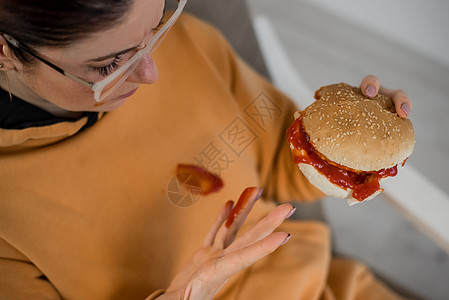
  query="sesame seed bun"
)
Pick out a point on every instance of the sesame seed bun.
point(357, 132)
point(345, 144)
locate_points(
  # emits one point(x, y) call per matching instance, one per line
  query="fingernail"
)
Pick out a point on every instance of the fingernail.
point(405, 108)
point(370, 91)
point(292, 211)
point(229, 204)
point(286, 239)
point(259, 194)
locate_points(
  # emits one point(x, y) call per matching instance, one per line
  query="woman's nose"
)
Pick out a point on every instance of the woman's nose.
point(145, 71)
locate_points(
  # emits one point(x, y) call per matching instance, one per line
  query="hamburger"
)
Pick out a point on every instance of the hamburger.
point(345, 144)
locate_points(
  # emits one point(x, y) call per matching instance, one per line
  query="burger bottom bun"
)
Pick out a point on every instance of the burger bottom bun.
point(322, 183)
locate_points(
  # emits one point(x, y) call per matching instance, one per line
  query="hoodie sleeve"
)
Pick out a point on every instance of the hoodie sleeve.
point(267, 111)
point(21, 279)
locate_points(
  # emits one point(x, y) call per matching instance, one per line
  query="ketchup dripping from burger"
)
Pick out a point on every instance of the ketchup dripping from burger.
point(362, 183)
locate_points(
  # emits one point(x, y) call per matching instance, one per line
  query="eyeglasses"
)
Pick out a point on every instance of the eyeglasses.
point(106, 86)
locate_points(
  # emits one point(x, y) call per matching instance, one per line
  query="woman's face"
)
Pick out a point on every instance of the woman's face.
point(94, 58)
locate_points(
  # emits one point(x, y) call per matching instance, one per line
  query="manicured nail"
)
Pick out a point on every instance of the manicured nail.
point(405, 108)
point(286, 239)
point(229, 204)
point(370, 91)
point(259, 194)
point(292, 211)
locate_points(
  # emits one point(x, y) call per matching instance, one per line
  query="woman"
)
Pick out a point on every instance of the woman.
point(87, 208)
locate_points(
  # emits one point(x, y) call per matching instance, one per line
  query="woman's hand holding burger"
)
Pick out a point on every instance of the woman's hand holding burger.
point(370, 87)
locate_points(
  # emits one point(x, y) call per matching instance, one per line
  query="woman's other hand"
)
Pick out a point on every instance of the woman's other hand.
point(370, 86)
point(221, 255)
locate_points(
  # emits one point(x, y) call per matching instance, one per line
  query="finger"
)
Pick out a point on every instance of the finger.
point(237, 216)
point(225, 266)
point(222, 215)
point(246, 201)
point(263, 228)
point(401, 101)
point(370, 86)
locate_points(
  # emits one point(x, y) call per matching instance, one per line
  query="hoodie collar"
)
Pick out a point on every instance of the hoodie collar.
point(25, 126)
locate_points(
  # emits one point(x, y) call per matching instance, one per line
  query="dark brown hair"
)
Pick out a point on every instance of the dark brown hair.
point(57, 23)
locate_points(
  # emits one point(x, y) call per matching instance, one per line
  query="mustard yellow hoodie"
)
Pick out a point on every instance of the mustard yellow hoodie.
point(89, 208)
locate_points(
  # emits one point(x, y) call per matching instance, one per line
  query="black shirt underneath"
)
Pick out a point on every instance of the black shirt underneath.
point(18, 114)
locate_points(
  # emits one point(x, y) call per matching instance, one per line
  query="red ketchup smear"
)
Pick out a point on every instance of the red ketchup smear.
point(362, 183)
point(237, 209)
point(198, 180)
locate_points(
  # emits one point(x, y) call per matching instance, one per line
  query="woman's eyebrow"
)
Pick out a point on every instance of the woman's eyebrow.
point(112, 55)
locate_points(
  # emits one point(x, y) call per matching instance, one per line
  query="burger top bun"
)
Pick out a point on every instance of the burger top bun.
point(355, 131)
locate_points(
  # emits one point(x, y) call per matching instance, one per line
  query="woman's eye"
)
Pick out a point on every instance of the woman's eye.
point(159, 26)
point(108, 69)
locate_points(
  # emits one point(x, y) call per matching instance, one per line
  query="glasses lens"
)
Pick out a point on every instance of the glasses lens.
point(114, 84)
point(116, 79)
point(160, 35)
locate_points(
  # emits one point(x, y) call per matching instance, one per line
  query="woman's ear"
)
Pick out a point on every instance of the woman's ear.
point(6, 57)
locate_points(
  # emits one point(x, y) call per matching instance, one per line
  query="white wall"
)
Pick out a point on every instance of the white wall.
point(420, 24)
